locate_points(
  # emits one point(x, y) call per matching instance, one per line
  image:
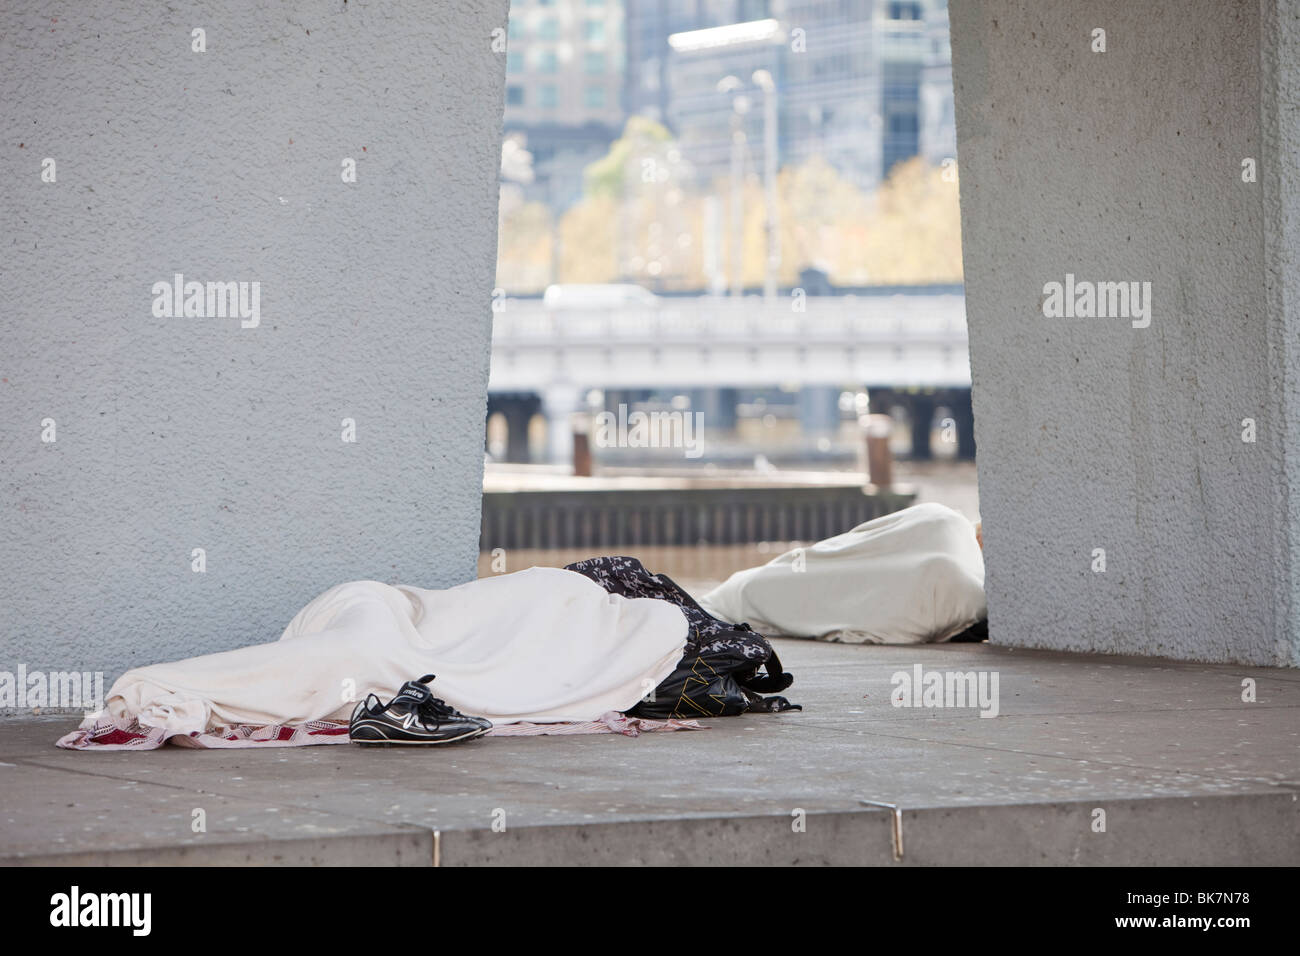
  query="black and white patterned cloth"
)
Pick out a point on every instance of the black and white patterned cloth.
point(725, 668)
point(708, 635)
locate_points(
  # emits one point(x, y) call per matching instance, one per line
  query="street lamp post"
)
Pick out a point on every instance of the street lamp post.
point(772, 224)
point(740, 106)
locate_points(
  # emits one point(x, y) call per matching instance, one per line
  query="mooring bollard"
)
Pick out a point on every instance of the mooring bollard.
point(581, 424)
point(880, 462)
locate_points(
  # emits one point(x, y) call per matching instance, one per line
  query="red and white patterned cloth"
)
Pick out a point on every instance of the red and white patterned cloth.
point(107, 733)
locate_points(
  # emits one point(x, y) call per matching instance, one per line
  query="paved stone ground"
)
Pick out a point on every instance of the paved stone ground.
point(1185, 772)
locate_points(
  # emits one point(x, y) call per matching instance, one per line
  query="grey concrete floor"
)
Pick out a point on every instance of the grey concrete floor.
point(1183, 770)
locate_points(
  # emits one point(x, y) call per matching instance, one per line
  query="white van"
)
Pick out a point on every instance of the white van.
point(597, 296)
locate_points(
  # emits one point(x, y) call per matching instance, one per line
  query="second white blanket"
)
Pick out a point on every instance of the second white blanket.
point(910, 577)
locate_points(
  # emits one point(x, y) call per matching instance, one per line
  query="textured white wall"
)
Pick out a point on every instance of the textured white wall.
point(183, 433)
point(1126, 165)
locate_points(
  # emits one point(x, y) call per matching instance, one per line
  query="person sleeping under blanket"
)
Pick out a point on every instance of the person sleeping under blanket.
point(542, 645)
point(911, 577)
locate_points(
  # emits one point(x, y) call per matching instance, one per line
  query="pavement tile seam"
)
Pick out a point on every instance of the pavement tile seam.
point(918, 717)
point(1218, 775)
point(913, 717)
point(1037, 656)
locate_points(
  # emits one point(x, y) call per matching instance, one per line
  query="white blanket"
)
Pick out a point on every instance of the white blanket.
point(540, 645)
point(910, 577)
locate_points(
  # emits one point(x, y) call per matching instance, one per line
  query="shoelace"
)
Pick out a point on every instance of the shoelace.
point(432, 708)
point(439, 708)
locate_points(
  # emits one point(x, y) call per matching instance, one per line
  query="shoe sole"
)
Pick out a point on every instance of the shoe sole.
point(385, 741)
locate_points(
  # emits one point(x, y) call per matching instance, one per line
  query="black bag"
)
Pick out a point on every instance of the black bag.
point(725, 669)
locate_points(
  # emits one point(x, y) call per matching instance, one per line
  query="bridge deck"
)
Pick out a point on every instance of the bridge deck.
point(898, 340)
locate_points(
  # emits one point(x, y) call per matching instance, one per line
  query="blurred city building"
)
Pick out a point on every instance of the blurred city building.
point(938, 130)
point(564, 84)
point(863, 84)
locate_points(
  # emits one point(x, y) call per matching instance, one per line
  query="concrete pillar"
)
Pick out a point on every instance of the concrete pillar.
point(819, 409)
point(1139, 470)
point(920, 410)
point(718, 406)
point(958, 401)
point(559, 403)
point(212, 473)
point(519, 414)
point(613, 397)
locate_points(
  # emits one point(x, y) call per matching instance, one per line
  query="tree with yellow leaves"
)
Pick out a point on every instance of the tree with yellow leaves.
point(638, 221)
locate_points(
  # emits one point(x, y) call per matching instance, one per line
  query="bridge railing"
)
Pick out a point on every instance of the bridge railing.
point(885, 318)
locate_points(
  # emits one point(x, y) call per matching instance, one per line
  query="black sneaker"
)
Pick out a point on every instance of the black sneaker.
point(414, 716)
